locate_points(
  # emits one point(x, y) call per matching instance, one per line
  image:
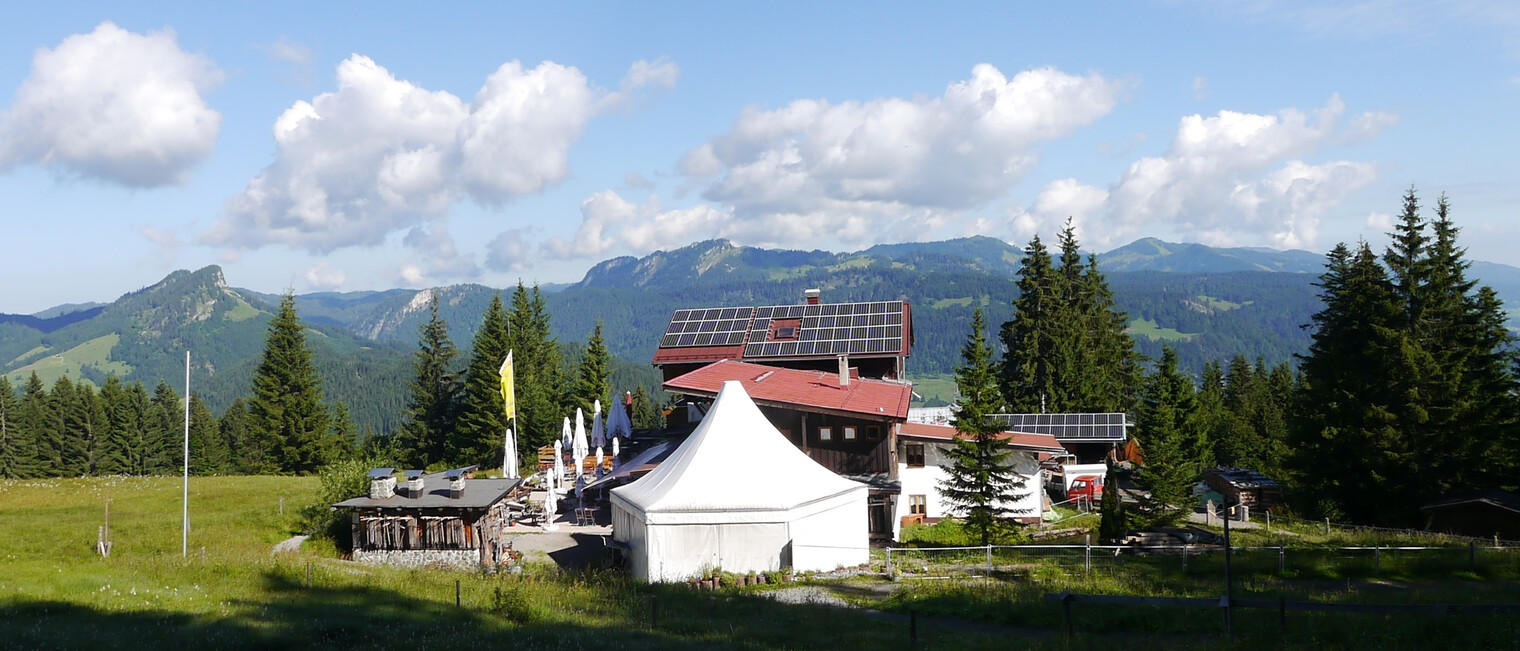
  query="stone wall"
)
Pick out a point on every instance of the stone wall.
point(461, 558)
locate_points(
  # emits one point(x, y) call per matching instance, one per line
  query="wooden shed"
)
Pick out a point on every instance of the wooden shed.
point(447, 518)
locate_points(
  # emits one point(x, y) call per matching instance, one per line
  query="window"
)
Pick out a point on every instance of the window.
point(915, 455)
point(918, 505)
point(849, 432)
point(825, 433)
point(873, 432)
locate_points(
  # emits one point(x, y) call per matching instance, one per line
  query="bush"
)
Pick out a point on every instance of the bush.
point(339, 481)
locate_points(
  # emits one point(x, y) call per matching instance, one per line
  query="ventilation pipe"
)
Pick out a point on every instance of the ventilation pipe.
point(844, 370)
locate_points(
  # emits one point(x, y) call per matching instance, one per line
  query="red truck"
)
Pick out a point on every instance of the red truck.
point(1086, 487)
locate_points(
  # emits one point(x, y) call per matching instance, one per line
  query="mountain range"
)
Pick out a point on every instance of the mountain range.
point(1208, 302)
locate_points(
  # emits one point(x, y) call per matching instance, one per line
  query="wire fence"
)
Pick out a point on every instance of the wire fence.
point(1265, 560)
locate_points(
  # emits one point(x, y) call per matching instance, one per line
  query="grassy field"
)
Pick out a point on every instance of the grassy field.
point(1153, 331)
point(935, 387)
point(95, 352)
point(55, 592)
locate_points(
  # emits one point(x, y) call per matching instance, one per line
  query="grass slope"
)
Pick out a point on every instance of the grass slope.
point(1153, 331)
point(95, 353)
point(55, 592)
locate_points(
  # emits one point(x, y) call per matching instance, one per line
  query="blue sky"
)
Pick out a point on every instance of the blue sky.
point(344, 146)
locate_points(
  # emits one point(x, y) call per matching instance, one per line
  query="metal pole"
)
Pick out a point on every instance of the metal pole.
point(989, 561)
point(889, 561)
point(1087, 553)
point(1377, 559)
point(1282, 560)
point(184, 543)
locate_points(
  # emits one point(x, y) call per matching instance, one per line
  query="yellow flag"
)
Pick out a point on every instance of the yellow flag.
point(508, 395)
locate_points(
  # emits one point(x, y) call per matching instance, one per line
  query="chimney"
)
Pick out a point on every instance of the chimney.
point(456, 479)
point(382, 485)
point(414, 483)
point(812, 296)
point(844, 370)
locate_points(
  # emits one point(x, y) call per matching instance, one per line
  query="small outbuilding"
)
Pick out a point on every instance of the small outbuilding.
point(1483, 514)
point(737, 495)
point(447, 518)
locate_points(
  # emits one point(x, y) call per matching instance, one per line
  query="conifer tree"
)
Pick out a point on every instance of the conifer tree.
point(247, 454)
point(208, 450)
point(430, 410)
point(111, 456)
point(482, 420)
point(345, 437)
point(647, 414)
point(538, 363)
point(593, 376)
point(980, 481)
point(1112, 520)
point(1167, 428)
point(16, 455)
point(35, 421)
point(166, 449)
point(133, 420)
point(286, 416)
point(1028, 372)
point(53, 445)
point(85, 427)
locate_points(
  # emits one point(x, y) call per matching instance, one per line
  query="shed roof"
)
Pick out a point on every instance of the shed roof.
point(478, 494)
point(1492, 497)
point(1021, 440)
point(801, 390)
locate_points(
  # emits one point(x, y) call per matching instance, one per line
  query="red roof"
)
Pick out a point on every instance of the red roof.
point(788, 388)
point(1022, 440)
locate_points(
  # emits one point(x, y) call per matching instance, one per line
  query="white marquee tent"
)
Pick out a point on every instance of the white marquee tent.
point(738, 496)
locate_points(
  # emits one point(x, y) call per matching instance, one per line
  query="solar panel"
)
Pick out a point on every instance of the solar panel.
point(1068, 427)
point(831, 329)
point(381, 473)
point(712, 326)
point(414, 474)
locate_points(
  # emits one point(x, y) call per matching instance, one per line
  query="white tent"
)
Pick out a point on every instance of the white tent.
point(738, 496)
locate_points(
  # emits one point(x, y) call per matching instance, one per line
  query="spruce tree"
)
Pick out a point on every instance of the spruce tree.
point(482, 423)
point(208, 450)
point(343, 441)
point(647, 414)
point(16, 455)
point(286, 415)
point(1028, 373)
point(538, 363)
point(247, 453)
point(593, 376)
point(980, 481)
point(111, 455)
point(166, 450)
point(85, 426)
point(35, 421)
point(135, 420)
point(1167, 427)
point(54, 445)
point(430, 410)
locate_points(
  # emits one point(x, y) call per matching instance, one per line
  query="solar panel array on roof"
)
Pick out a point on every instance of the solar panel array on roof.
point(717, 326)
point(1068, 427)
point(829, 329)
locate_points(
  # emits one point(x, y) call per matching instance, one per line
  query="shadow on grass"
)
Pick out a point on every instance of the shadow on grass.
point(585, 611)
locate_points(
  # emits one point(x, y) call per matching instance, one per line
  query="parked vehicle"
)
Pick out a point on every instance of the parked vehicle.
point(1086, 487)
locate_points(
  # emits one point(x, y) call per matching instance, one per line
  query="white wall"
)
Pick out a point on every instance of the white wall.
point(925, 481)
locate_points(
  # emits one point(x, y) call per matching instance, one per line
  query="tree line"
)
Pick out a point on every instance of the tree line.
point(1409, 391)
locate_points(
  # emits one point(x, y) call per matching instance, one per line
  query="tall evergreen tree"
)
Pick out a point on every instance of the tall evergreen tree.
point(35, 421)
point(208, 450)
point(345, 436)
point(647, 414)
point(248, 454)
point(1167, 429)
point(85, 426)
point(16, 454)
point(286, 412)
point(54, 446)
point(593, 376)
point(538, 367)
point(980, 481)
point(111, 455)
point(1067, 348)
point(1112, 520)
point(166, 451)
point(482, 420)
point(430, 410)
point(1028, 371)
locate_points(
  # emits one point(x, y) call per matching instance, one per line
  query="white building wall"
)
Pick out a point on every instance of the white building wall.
point(925, 481)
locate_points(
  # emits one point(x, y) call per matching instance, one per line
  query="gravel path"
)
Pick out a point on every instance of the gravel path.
point(290, 544)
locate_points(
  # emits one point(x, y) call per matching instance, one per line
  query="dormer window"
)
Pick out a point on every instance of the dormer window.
point(785, 329)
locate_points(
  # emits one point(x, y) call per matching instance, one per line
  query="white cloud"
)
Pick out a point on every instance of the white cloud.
point(380, 154)
point(660, 72)
point(609, 222)
point(636, 181)
point(508, 251)
point(411, 275)
point(813, 172)
point(1226, 179)
point(1200, 87)
point(325, 276)
point(116, 106)
point(1381, 222)
point(290, 51)
point(441, 256)
point(166, 244)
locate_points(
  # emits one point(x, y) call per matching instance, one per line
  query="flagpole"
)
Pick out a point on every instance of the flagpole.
point(184, 539)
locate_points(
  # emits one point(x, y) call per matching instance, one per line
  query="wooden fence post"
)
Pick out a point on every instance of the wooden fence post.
point(989, 561)
point(456, 593)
